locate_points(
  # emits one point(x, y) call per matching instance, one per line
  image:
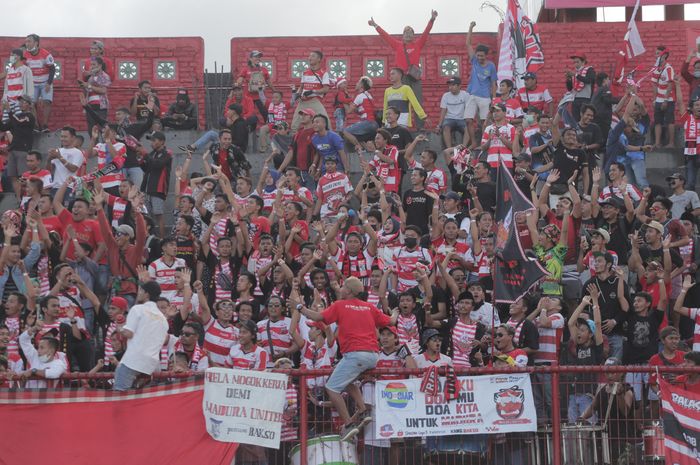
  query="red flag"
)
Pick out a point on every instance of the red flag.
point(158, 425)
point(681, 424)
point(632, 46)
point(521, 50)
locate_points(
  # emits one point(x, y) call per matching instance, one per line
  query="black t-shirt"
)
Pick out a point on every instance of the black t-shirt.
point(657, 255)
point(523, 183)
point(579, 355)
point(642, 334)
point(486, 191)
point(418, 206)
point(619, 242)
point(590, 134)
point(400, 137)
point(529, 338)
point(608, 300)
point(567, 161)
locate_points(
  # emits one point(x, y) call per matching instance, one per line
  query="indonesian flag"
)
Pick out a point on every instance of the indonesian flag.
point(681, 417)
point(632, 47)
point(521, 49)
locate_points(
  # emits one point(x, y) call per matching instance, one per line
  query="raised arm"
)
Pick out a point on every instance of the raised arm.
point(470, 49)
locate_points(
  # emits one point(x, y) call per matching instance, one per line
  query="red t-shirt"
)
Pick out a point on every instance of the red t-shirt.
point(258, 226)
point(653, 290)
point(52, 223)
point(246, 75)
point(357, 322)
point(295, 248)
point(682, 382)
point(573, 235)
point(656, 360)
point(85, 231)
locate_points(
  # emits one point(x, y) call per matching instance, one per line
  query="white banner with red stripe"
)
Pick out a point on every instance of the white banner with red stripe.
point(244, 406)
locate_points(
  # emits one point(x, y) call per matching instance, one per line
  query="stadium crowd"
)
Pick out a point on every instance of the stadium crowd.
point(302, 267)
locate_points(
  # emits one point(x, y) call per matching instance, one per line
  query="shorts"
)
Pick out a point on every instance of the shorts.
point(638, 381)
point(350, 367)
point(664, 117)
point(456, 124)
point(475, 103)
point(362, 128)
point(155, 205)
point(16, 163)
point(42, 94)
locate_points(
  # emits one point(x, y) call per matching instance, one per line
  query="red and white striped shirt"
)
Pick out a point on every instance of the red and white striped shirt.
point(435, 182)
point(115, 178)
point(314, 80)
point(289, 432)
point(198, 359)
point(536, 97)
point(313, 357)
point(497, 148)
point(441, 248)
point(613, 191)
point(373, 298)
point(694, 313)
point(389, 173)
point(406, 262)
point(391, 360)
point(65, 303)
point(17, 81)
point(255, 264)
point(118, 208)
point(279, 334)
point(289, 195)
point(407, 327)
point(164, 275)
point(422, 361)
point(518, 327)
point(218, 340)
point(218, 231)
point(223, 274)
point(165, 350)
point(268, 199)
point(332, 190)
point(40, 64)
point(663, 78)
point(109, 348)
point(483, 264)
point(13, 324)
point(358, 266)
point(550, 338)
point(463, 335)
point(256, 359)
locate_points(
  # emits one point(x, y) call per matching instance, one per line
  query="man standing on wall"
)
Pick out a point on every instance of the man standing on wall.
point(315, 82)
point(40, 61)
point(482, 85)
point(407, 52)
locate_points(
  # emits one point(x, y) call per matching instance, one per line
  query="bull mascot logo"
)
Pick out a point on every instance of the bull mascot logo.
point(510, 402)
point(215, 428)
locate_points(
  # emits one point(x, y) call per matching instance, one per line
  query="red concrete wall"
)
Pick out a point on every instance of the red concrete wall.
point(600, 41)
point(282, 51)
point(187, 52)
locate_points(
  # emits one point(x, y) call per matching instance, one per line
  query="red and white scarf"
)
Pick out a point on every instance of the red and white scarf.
point(197, 354)
point(579, 85)
point(691, 135)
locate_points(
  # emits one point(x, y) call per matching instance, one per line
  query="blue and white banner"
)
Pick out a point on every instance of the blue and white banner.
point(485, 404)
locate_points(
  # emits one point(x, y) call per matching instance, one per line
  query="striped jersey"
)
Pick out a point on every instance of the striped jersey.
point(279, 336)
point(218, 340)
point(289, 432)
point(40, 65)
point(104, 158)
point(409, 334)
point(497, 148)
point(463, 335)
point(256, 359)
point(663, 78)
point(313, 357)
point(164, 275)
point(550, 339)
point(389, 173)
point(406, 262)
point(16, 82)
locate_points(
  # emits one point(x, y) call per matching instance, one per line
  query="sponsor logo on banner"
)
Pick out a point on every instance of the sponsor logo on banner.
point(398, 396)
point(510, 403)
point(386, 431)
point(215, 428)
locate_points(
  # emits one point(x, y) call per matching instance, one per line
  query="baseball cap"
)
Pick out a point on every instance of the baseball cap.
point(578, 54)
point(428, 334)
point(307, 111)
point(500, 105)
point(656, 225)
point(613, 201)
point(120, 303)
point(589, 323)
point(523, 157)
point(530, 75)
point(126, 229)
point(317, 324)
point(256, 54)
point(613, 361)
point(26, 98)
point(675, 176)
point(99, 44)
point(454, 80)
point(602, 232)
point(451, 195)
point(157, 135)
point(332, 157)
point(390, 328)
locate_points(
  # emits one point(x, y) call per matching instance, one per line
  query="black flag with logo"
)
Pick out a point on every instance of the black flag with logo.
point(515, 272)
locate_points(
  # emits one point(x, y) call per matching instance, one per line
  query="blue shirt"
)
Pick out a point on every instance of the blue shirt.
point(329, 145)
point(482, 78)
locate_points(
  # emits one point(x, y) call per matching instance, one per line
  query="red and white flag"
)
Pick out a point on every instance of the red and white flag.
point(521, 50)
point(632, 47)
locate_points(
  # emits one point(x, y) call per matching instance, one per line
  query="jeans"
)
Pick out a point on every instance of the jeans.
point(691, 170)
point(542, 391)
point(135, 175)
point(350, 367)
point(89, 314)
point(339, 114)
point(209, 137)
point(124, 377)
point(636, 172)
point(615, 341)
point(578, 403)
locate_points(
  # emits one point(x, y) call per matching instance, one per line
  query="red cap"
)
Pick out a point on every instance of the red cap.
point(120, 303)
point(307, 111)
point(578, 54)
point(392, 329)
point(317, 324)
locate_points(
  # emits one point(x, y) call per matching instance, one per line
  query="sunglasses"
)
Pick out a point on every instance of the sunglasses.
point(119, 233)
point(274, 305)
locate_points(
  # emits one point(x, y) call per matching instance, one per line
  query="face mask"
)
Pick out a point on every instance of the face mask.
point(410, 242)
point(44, 358)
point(13, 59)
point(696, 74)
point(529, 119)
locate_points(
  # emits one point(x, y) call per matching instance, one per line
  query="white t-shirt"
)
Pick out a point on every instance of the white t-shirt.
point(455, 104)
point(60, 174)
point(150, 329)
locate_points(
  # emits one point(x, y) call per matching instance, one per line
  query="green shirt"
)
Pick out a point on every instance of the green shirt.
point(553, 260)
